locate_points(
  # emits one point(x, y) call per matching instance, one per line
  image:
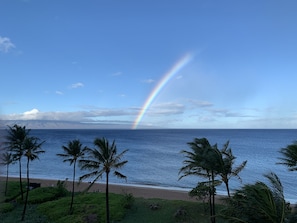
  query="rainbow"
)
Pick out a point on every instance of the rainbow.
point(165, 79)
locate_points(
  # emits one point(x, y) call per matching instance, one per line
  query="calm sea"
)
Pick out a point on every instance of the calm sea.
point(154, 157)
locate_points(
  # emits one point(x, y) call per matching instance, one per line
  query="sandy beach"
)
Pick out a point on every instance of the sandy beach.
point(137, 191)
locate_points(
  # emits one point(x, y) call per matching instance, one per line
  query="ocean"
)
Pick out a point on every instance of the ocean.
point(154, 157)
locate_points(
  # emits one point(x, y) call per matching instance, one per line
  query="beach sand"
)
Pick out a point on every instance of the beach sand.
point(135, 190)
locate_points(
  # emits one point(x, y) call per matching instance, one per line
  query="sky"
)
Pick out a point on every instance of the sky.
point(148, 64)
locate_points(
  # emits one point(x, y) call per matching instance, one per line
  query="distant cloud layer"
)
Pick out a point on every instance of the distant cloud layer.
point(35, 114)
point(5, 44)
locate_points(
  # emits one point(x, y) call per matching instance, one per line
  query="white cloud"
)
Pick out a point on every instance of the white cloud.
point(77, 85)
point(149, 81)
point(5, 44)
point(77, 116)
point(198, 103)
point(59, 92)
point(168, 108)
point(32, 114)
point(117, 74)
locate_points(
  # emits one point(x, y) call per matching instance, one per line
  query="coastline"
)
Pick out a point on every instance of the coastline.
point(142, 191)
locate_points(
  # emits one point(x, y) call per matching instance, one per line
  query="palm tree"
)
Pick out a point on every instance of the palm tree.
point(31, 148)
point(257, 203)
point(104, 159)
point(289, 158)
point(72, 153)
point(204, 161)
point(6, 159)
point(227, 170)
point(15, 140)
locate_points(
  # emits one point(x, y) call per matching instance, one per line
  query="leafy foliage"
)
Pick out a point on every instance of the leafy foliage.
point(43, 194)
point(13, 191)
point(202, 190)
point(31, 149)
point(228, 170)
point(103, 159)
point(6, 207)
point(6, 159)
point(16, 136)
point(206, 161)
point(257, 203)
point(289, 157)
point(128, 200)
point(86, 205)
point(72, 153)
point(61, 189)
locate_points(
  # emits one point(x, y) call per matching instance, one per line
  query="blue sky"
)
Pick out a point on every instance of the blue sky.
point(98, 61)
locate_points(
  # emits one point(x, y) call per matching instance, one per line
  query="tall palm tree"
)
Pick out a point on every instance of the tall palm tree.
point(32, 149)
point(72, 153)
point(227, 170)
point(104, 159)
point(205, 161)
point(15, 140)
point(6, 159)
point(257, 203)
point(289, 158)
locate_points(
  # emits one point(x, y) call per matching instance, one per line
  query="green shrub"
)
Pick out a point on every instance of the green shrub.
point(43, 194)
point(128, 200)
point(70, 218)
point(13, 190)
point(55, 210)
point(6, 207)
point(86, 208)
point(61, 189)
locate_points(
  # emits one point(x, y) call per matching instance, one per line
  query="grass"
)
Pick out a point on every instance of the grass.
point(13, 191)
point(51, 205)
point(32, 216)
point(86, 206)
point(44, 194)
point(167, 211)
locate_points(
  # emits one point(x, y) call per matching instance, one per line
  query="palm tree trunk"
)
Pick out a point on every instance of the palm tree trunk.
point(72, 187)
point(213, 218)
point(21, 185)
point(228, 190)
point(27, 193)
point(210, 194)
point(6, 180)
point(107, 198)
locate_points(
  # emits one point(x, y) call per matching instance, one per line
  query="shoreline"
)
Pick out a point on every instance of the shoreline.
point(141, 191)
point(138, 191)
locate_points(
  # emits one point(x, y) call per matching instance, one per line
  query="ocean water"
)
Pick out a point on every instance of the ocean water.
point(154, 157)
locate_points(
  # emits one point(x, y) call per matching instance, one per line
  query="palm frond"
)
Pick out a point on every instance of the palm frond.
point(289, 156)
point(6, 158)
point(92, 183)
point(119, 175)
point(275, 183)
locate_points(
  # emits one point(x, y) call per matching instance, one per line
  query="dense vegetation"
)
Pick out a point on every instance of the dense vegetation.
point(49, 204)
